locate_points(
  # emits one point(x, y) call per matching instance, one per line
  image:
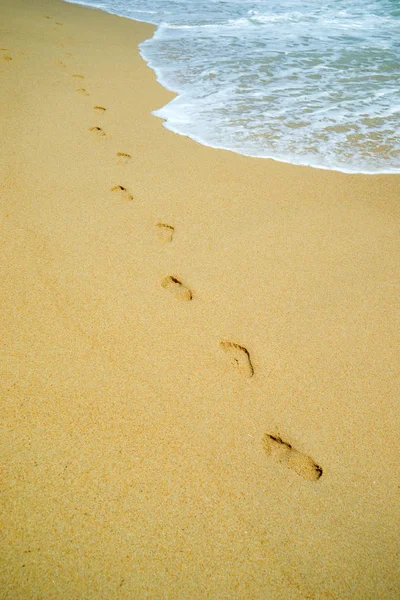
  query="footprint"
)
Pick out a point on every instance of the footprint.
point(165, 232)
point(60, 63)
point(82, 91)
point(57, 23)
point(123, 191)
point(123, 158)
point(283, 453)
point(239, 357)
point(99, 109)
point(6, 57)
point(97, 130)
point(177, 288)
point(78, 76)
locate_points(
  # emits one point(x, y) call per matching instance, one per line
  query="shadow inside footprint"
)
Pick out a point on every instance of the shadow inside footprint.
point(82, 91)
point(99, 109)
point(284, 453)
point(78, 76)
point(176, 287)
point(165, 233)
point(97, 130)
point(239, 357)
point(122, 191)
point(123, 158)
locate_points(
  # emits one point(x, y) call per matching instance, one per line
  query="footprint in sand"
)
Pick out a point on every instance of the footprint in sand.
point(123, 158)
point(176, 287)
point(97, 130)
point(82, 91)
point(165, 233)
point(99, 109)
point(122, 191)
point(283, 453)
point(5, 56)
point(239, 357)
point(78, 76)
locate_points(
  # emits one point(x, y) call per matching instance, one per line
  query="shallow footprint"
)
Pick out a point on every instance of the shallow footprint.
point(6, 57)
point(99, 109)
point(97, 130)
point(165, 232)
point(283, 453)
point(123, 192)
point(177, 288)
point(82, 91)
point(123, 158)
point(239, 356)
point(78, 76)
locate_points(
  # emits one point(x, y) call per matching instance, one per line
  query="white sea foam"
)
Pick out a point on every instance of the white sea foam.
point(299, 81)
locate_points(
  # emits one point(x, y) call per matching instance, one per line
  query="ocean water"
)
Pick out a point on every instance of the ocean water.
point(310, 82)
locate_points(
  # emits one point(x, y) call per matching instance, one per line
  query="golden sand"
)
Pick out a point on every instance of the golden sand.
point(155, 448)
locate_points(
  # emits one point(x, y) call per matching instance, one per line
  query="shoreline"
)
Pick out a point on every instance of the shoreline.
point(342, 169)
point(199, 390)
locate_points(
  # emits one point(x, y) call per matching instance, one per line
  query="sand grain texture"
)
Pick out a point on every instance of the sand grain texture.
point(131, 462)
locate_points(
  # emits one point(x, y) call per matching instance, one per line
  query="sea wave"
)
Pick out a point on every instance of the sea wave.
point(310, 83)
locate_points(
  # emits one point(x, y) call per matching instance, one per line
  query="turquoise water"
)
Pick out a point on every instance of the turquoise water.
point(307, 82)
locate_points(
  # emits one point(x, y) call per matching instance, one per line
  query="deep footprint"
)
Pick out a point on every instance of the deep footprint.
point(99, 109)
point(283, 453)
point(239, 357)
point(165, 232)
point(123, 191)
point(176, 288)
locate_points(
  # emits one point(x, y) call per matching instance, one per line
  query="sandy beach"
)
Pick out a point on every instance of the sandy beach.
point(200, 357)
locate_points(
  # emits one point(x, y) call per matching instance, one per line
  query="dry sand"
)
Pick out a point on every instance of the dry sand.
point(184, 355)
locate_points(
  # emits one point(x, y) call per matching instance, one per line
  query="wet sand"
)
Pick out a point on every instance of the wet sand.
point(199, 374)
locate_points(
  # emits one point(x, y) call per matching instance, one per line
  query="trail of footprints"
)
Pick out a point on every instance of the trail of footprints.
point(276, 449)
